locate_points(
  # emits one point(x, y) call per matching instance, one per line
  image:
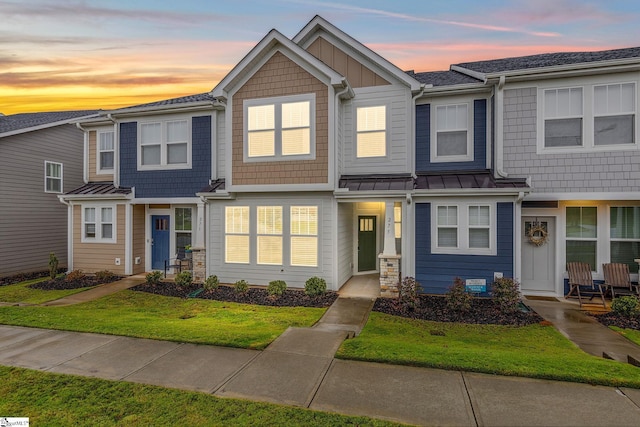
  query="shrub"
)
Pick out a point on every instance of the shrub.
point(315, 286)
point(74, 275)
point(184, 278)
point(241, 286)
point(53, 265)
point(505, 294)
point(105, 275)
point(626, 306)
point(211, 283)
point(458, 299)
point(276, 288)
point(154, 277)
point(408, 290)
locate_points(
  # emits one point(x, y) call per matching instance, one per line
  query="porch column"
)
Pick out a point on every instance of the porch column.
point(389, 258)
point(199, 251)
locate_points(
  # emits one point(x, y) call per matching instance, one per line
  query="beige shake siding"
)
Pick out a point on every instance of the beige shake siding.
point(138, 238)
point(357, 74)
point(93, 163)
point(281, 77)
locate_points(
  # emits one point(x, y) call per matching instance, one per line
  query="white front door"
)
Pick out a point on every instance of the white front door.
point(539, 258)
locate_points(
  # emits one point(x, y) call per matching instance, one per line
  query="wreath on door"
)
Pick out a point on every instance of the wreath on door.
point(537, 234)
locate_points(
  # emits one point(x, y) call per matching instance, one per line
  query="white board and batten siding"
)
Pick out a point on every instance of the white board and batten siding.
point(399, 154)
point(33, 223)
point(258, 274)
point(345, 242)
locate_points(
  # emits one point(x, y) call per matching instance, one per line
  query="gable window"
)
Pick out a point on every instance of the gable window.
point(164, 145)
point(280, 128)
point(237, 234)
point(563, 117)
point(182, 227)
point(304, 236)
point(106, 151)
point(52, 177)
point(582, 235)
point(625, 236)
point(269, 240)
point(98, 224)
point(371, 130)
point(614, 114)
point(464, 228)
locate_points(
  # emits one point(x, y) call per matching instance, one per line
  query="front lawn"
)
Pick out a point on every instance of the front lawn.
point(630, 334)
point(65, 400)
point(535, 351)
point(22, 293)
point(143, 315)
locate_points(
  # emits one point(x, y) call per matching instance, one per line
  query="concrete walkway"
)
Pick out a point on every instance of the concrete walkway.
point(299, 369)
point(98, 292)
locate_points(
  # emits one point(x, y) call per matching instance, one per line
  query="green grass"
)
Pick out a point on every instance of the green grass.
point(535, 351)
point(630, 334)
point(65, 400)
point(21, 293)
point(143, 315)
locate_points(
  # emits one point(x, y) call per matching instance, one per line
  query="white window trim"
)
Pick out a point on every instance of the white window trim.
point(248, 234)
point(463, 228)
point(99, 238)
point(61, 178)
point(99, 169)
point(588, 115)
point(469, 157)
point(164, 165)
point(277, 102)
point(387, 131)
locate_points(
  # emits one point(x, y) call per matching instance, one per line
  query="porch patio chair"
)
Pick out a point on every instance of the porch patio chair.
point(581, 283)
point(178, 262)
point(617, 280)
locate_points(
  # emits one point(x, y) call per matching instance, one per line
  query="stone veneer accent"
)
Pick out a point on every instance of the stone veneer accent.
point(198, 258)
point(389, 275)
point(575, 171)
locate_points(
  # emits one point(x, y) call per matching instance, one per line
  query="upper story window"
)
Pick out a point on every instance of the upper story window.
point(164, 144)
point(98, 224)
point(106, 151)
point(371, 131)
point(614, 114)
point(563, 117)
point(52, 177)
point(280, 128)
point(464, 228)
point(451, 135)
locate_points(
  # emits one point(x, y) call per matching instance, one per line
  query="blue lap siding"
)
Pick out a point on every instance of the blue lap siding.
point(436, 272)
point(171, 182)
point(423, 141)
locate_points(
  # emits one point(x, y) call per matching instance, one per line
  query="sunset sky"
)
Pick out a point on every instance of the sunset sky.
point(70, 54)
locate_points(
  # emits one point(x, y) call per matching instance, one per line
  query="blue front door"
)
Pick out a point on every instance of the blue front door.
point(160, 239)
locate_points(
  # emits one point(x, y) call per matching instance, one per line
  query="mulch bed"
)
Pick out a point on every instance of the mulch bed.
point(612, 319)
point(259, 296)
point(61, 283)
point(434, 308)
point(23, 277)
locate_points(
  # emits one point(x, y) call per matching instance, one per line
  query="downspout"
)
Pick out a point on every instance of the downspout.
point(116, 155)
point(500, 128)
point(69, 232)
point(412, 132)
point(85, 155)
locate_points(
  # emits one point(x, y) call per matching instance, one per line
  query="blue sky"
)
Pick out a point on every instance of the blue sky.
point(60, 55)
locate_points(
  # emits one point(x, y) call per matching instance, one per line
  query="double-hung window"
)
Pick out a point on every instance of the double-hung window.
point(106, 151)
point(464, 228)
point(304, 236)
point(98, 224)
point(371, 131)
point(52, 177)
point(164, 144)
point(183, 227)
point(582, 235)
point(269, 240)
point(280, 128)
point(452, 135)
point(237, 234)
point(614, 114)
point(625, 236)
point(563, 115)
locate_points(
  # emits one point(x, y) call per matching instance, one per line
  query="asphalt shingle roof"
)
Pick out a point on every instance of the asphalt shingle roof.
point(549, 60)
point(16, 122)
point(174, 101)
point(443, 78)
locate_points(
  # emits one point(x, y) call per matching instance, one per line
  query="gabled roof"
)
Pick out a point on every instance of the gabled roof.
point(443, 78)
point(26, 122)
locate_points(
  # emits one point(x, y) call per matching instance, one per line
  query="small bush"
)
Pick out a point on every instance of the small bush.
point(53, 265)
point(154, 277)
point(458, 299)
point(276, 288)
point(105, 275)
point(74, 275)
point(184, 278)
point(211, 283)
point(315, 286)
point(408, 290)
point(241, 286)
point(505, 294)
point(626, 306)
